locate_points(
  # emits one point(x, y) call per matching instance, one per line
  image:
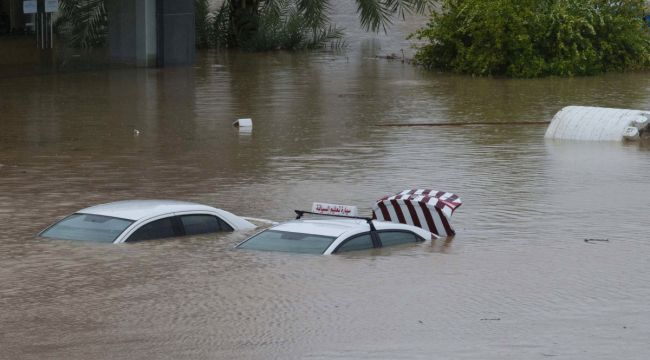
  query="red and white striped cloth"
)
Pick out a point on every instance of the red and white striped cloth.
point(427, 209)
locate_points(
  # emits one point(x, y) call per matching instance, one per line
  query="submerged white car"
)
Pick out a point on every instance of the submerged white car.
point(137, 220)
point(408, 217)
point(332, 235)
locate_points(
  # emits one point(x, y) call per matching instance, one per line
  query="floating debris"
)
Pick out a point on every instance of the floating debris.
point(394, 56)
point(596, 240)
point(242, 123)
point(245, 126)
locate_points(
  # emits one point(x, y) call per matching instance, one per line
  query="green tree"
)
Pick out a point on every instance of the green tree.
point(82, 23)
point(532, 38)
point(202, 22)
point(268, 24)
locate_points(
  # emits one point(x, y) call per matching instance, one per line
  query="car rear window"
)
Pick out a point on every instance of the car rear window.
point(203, 224)
point(273, 240)
point(87, 227)
point(159, 229)
point(390, 238)
point(361, 242)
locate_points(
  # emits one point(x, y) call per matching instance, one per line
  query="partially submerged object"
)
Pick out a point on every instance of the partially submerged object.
point(424, 208)
point(333, 234)
point(408, 217)
point(243, 123)
point(137, 220)
point(599, 124)
point(244, 126)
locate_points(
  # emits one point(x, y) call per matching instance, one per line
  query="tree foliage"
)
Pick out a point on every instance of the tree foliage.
point(532, 38)
point(82, 23)
point(202, 23)
point(294, 24)
point(277, 24)
point(249, 24)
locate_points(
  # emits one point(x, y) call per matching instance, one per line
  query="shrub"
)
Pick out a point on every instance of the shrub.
point(533, 38)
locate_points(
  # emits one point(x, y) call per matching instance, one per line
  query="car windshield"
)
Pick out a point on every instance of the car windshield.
point(87, 227)
point(273, 240)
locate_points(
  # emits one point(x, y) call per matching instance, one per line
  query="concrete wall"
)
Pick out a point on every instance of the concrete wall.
point(121, 30)
point(151, 32)
point(176, 32)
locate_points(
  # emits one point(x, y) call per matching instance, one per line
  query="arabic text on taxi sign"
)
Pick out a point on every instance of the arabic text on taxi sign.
point(334, 209)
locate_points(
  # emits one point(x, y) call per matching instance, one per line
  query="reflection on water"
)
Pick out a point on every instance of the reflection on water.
point(518, 281)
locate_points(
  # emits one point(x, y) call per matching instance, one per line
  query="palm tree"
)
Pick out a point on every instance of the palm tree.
point(243, 16)
point(83, 23)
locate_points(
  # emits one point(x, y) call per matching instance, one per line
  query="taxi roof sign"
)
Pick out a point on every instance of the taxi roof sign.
point(334, 209)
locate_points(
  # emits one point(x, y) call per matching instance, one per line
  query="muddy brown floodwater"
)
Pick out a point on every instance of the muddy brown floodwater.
point(518, 281)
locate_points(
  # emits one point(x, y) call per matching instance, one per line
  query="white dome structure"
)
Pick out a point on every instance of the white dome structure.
point(598, 124)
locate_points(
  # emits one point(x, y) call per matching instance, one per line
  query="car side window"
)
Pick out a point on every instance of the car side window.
point(390, 238)
point(158, 229)
point(359, 242)
point(203, 224)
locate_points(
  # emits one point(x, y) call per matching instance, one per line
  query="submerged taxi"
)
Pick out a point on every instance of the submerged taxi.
point(408, 217)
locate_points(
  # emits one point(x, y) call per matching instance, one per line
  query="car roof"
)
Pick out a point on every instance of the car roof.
point(324, 227)
point(337, 227)
point(138, 209)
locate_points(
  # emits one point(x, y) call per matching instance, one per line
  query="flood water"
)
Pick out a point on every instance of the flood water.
point(517, 282)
